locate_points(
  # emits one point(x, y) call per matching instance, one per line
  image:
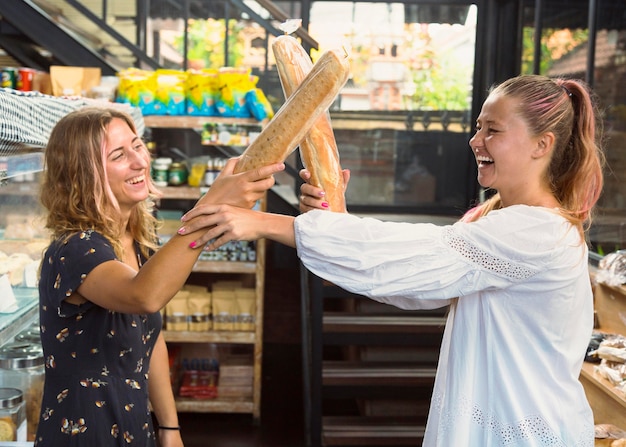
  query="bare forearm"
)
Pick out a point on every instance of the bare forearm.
point(160, 388)
point(168, 269)
point(279, 228)
point(117, 286)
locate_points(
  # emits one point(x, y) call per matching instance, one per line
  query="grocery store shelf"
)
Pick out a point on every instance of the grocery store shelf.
point(219, 405)
point(225, 267)
point(194, 122)
point(209, 337)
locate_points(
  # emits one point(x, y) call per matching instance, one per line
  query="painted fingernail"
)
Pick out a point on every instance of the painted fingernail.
point(322, 193)
point(192, 245)
point(181, 230)
point(325, 204)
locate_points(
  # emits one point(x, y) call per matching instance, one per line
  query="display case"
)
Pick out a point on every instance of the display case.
point(22, 240)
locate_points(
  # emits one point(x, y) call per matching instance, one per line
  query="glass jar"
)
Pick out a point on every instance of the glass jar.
point(22, 367)
point(31, 334)
point(12, 415)
point(177, 174)
point(160, 170)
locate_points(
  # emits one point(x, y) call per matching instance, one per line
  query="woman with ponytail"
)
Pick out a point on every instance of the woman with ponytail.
point(513, 270)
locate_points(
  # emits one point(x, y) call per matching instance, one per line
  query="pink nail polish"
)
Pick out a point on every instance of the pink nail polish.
point(192, 245)
point(325, 204)
point(181, 230)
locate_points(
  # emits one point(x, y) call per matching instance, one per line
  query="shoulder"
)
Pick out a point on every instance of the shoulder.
point(522, 229)
point(82, 244)
point(520, 222)
point(67, 263)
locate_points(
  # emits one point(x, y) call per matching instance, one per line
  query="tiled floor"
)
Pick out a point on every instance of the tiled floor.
point(281, 423)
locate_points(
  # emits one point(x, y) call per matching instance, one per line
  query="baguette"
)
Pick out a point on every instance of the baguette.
point(298, 114)
point(318, 150)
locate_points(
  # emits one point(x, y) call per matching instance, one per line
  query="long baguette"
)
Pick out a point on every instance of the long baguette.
point(298, 114)
point(318, 150)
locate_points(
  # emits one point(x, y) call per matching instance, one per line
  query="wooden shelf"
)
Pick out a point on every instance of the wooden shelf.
point(209, 337)
point(227, 404)
point(224, 267)
point(195, 122)
point(219, 405)
point(604, 384)
point(608, 404)
point(182, 192)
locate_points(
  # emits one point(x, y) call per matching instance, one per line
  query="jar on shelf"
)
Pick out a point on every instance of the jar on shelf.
point(32, 334)
point(22, 367)
point(160, 170)
point(177, 174)
point(12, 415)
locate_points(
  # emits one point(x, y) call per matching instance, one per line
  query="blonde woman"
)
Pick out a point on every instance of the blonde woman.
point(102, 285)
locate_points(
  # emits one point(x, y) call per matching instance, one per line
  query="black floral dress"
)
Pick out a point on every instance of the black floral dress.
point(97, 361)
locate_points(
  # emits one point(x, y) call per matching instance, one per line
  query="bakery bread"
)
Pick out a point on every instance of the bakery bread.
point(318, 150)
point(298, 114)
point(608, 435)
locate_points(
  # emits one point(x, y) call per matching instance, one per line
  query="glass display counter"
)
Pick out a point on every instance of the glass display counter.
point(22, 240)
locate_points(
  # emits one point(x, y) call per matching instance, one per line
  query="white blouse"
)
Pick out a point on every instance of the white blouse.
point(520, 319)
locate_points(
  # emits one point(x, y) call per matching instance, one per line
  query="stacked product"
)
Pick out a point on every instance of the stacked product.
point(234, 307)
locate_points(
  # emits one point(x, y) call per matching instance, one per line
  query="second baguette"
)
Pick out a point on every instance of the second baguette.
point(318, 150)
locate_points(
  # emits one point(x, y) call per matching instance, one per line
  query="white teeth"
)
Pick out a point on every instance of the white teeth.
point(485, 159)
point(136, 180)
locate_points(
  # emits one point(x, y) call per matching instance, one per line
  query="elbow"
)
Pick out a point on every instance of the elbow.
point(153, 303)
point(146, 304)
point(150, 308)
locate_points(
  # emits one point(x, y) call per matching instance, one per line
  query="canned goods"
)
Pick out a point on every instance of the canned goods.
point(12, 415)
point(24, 81)
point(9, 77)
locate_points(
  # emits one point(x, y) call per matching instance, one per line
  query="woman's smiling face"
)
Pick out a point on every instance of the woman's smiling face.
point(502, 145)
point(127, 164)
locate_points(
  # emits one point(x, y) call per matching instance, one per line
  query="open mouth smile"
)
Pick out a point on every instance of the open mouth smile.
point(484, 160)
point(135, 180)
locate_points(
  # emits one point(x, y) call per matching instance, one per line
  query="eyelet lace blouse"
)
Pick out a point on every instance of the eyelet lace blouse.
point(519, 321)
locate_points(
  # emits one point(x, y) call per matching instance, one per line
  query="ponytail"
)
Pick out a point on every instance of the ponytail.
point(565, 108)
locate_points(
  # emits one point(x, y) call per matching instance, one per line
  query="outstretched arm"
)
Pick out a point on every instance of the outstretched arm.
point(117, 286)
point(228, 223)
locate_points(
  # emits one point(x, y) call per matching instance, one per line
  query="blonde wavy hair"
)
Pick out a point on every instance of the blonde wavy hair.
point(75, 190)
